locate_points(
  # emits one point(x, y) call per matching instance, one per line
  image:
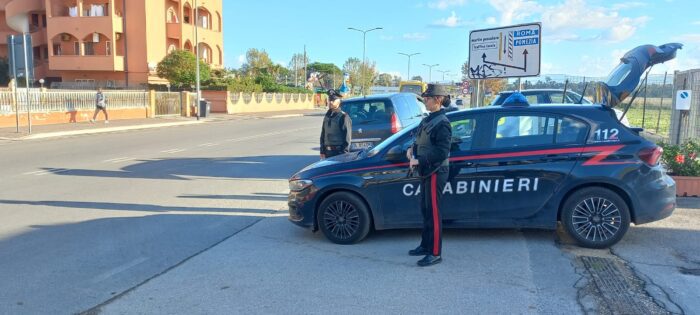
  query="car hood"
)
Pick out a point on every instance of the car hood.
point(336, 163)
point(623, 80)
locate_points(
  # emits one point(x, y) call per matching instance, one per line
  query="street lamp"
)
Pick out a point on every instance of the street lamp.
point(364, 48)
point(408, 74)
point(443, 73)
point(41, 81)
point(430, 73)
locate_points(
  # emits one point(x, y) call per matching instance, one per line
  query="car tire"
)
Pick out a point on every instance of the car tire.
point(343, 218)
point(595, 217)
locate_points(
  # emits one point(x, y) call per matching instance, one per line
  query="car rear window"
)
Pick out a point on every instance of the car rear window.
point(368, 112)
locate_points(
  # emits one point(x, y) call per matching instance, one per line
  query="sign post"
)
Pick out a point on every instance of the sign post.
point(505, 52)
point(21, 65)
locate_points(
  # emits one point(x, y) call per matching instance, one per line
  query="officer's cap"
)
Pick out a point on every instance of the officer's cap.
point(333, 95)
point(435, 90)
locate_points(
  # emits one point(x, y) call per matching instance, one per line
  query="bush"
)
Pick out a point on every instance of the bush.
point(682, 160)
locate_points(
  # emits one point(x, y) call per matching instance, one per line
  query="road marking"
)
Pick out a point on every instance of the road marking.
point(268, 134)
point(173, 151)
point(119, 269)
point(209, 144)
point(118, 160)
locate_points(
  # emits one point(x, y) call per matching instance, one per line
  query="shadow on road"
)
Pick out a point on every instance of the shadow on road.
point(251, 167)
point(255, 196)
point(130, 207)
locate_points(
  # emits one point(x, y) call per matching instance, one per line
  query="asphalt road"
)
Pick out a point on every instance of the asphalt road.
point(192, 220)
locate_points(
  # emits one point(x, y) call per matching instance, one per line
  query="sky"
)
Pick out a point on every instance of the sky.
point(579, 37)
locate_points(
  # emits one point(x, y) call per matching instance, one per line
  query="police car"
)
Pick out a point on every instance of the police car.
point(511, 166)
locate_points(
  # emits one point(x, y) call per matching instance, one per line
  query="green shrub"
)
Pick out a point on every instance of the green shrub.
point(682, 160)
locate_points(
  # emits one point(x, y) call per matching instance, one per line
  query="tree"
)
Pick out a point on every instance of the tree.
point(296, 68)
point(180, 69)
point(417, 78)
point(330, 74)
point(257, 61)
point(352, 67)
point(384, 79)
point(494, 86)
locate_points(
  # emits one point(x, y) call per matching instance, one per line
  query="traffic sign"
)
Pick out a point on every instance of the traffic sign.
point(21, 61)
point(505, 52)
point(683, 98)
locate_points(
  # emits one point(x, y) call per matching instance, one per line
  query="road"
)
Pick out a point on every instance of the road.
point(192, 219)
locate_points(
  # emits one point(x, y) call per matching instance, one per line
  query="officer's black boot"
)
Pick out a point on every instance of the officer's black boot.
point(429, 260)
point(419, 251)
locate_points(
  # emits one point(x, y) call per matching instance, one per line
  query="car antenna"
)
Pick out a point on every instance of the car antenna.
point(639, 88)
point(566, 86)
point(580, 100)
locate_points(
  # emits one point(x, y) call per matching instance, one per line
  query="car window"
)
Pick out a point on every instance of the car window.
point(570, 131)
point(558, 98)
point(404, 109)
point(522, 130)
point(368, 112)
point(462, 133)
point(416, 89)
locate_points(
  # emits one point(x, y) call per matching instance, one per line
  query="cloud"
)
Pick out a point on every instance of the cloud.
point(415, 36)
point(491, 20)
point(515, 10)
point(627, 5)
point(444, 4)
point(563, 21)
point(241, 59)
point(451, 21)
point(386, 37)
point(688, 38)
point(696, 23)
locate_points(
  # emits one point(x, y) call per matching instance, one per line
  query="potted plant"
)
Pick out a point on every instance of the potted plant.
point(683, 165)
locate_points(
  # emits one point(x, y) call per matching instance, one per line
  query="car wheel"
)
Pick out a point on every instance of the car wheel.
point(343, 218)
point(595, 217)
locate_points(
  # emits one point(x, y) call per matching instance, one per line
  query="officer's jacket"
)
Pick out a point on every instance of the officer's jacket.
point(336, 131)
point(433, 140)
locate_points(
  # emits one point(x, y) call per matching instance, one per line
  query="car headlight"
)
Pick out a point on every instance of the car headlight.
point(299, 185)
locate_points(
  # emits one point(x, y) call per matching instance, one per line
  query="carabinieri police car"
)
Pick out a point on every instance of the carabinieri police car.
point(511, 166)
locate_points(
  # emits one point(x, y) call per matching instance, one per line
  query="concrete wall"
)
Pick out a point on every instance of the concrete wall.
point(237, 103)
point(48, 118)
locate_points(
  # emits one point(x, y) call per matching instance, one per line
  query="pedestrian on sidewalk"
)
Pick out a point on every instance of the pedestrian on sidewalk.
point(100, 105)
point(336, 131)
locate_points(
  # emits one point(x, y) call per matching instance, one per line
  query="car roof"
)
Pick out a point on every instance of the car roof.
point(382, 96)
point(557, 108)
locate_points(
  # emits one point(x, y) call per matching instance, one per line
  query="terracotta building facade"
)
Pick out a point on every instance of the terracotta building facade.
point(111, 42)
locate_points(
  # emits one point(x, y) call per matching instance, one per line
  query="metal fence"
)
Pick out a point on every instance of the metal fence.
point(168, 104)
point(66, 101)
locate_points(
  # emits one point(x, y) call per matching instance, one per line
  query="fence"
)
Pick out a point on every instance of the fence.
point(168, 104)
point(685, 125)
point(38, 101)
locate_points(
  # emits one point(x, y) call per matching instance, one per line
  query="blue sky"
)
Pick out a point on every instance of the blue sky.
point(580, 37)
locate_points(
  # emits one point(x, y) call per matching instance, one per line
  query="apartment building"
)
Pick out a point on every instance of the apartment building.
point(111, 43)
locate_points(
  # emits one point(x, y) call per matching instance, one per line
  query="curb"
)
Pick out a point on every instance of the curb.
point(104, 130)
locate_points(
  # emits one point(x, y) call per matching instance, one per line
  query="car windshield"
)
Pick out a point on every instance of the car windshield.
point(619, 74)
point(415, 89)
point(384, 144)
point(368, 112)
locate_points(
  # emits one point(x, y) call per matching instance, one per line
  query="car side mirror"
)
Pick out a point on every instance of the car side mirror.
point(395, 154)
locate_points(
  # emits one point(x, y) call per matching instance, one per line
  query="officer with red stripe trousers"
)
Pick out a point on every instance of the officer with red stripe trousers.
point(429, 156)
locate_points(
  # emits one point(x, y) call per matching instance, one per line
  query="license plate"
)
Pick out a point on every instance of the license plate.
point(360, 145)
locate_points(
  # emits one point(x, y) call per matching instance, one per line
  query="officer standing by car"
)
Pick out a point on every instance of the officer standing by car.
point(429, 156)
point(336, 132)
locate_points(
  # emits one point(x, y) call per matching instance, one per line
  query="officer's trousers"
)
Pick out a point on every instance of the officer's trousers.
point(433, 186)
point(332, 153)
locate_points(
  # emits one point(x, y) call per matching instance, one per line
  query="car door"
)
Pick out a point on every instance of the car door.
point(526, 163)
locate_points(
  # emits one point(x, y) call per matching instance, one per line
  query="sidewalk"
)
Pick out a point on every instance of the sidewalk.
point(71, 129)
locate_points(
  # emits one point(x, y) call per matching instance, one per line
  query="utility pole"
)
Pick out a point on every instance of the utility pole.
point(364, 59)
point(305, 74)
point(430, 71)
point(443, 73)
point(408, 73)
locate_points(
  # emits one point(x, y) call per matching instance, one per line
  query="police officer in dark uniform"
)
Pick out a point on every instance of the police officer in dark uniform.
point(336, 132)
point(429, 157)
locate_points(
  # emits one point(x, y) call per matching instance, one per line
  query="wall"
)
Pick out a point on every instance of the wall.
point(48, 118)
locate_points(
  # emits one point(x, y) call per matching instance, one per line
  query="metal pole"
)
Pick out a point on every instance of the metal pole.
point(26, 80)
point(658, 119)
point(682, 115)
point(408, 73)
point(14, 75)
point(644, 105)
point(196, 45)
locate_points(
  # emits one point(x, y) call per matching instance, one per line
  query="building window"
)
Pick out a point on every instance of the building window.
point(57, 50)
point(35, 20)
point(76, 48)
point(108, 47)
point(89, 48)
point(43, 20)
point(45, 51)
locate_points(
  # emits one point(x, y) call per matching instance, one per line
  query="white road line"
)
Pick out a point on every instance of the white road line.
point(110, 273)
point(269, 134)
point(35, 172)
point(173, 151)
point(209, 144)
point(47, 171)
point(118, 160)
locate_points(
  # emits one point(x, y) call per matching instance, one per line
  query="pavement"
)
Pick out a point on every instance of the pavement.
point(82, 128)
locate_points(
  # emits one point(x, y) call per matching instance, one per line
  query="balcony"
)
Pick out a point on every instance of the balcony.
point(174, 30)
point(87, 63)
point(83, 26)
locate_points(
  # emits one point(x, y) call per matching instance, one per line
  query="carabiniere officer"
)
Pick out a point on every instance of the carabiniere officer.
point(336, 132)
point(429, 156)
